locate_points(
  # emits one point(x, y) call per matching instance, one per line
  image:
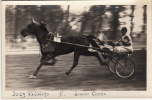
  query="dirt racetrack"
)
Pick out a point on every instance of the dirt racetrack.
point(88, 75)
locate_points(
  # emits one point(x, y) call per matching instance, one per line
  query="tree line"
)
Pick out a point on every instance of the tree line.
point(58, 20)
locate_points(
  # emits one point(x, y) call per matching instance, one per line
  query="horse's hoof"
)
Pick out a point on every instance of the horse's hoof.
point(66, 74)
point(32, 77)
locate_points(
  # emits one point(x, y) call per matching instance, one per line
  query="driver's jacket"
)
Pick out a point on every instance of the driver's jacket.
point(126, 42)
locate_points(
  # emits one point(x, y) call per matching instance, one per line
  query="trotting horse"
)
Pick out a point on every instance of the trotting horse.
point(54, 49)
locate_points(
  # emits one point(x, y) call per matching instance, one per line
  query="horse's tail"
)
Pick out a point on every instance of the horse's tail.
point(92, 39)
point(90, 36)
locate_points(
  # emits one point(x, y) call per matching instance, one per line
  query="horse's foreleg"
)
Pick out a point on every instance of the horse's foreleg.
point(50, 62)
point(75, 63)
point(35, 73)
point(38, 68)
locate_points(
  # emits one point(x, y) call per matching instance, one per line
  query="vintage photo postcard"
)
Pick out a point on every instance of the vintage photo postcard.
point(76, 49)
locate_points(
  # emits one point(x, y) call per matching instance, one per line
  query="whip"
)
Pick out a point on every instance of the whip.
point(99, 29)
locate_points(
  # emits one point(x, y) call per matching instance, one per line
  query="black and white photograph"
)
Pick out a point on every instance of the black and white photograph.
point(77, 49)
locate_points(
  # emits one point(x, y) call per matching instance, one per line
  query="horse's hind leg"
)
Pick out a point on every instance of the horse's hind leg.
point(75, 62)
point(88, 53)
point(99, 59)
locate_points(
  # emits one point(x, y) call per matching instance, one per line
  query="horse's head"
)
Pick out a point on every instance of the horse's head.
point(34, 28)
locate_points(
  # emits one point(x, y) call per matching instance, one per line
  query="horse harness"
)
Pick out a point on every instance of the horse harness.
point(49, 38)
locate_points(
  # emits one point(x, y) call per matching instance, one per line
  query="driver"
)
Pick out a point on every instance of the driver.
point(124, 44)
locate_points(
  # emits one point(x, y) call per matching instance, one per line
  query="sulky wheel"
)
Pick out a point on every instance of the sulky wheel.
point(125, 67)
point(111, 65)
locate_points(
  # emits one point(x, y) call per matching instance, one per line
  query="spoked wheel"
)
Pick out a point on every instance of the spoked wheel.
point(125, 68)
point(111, 65)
